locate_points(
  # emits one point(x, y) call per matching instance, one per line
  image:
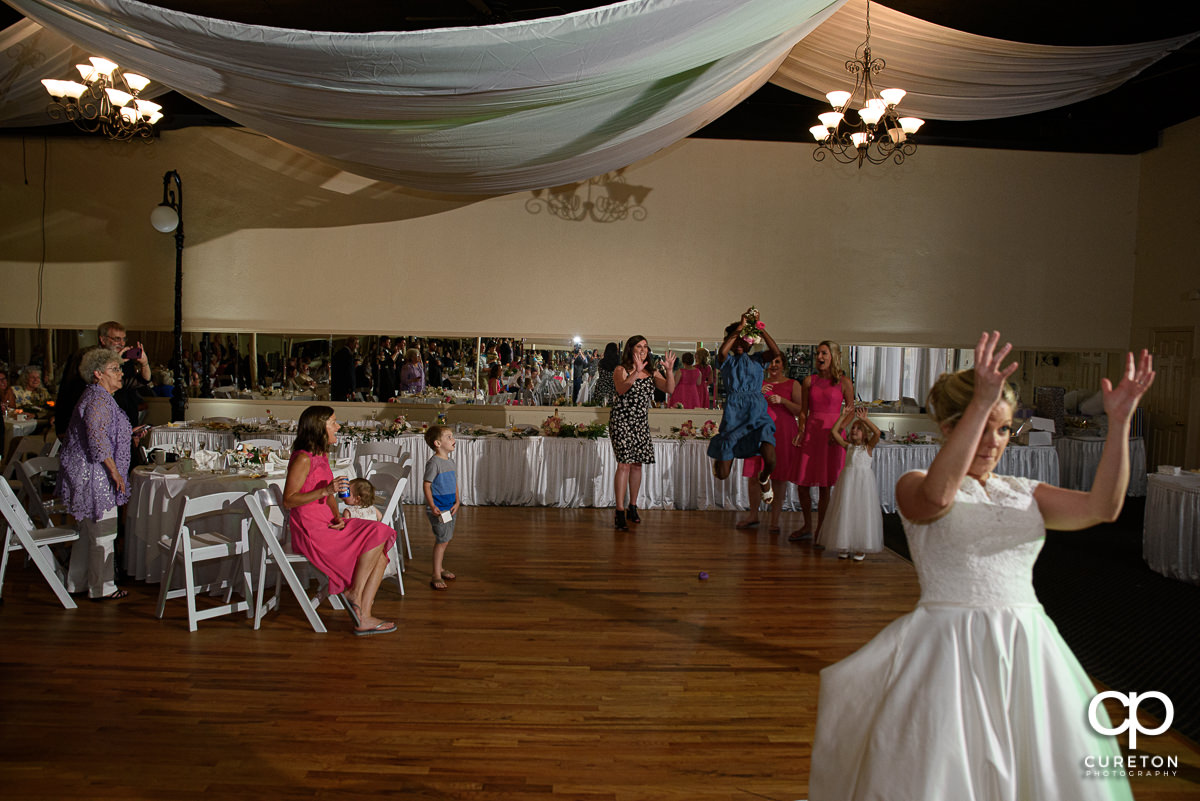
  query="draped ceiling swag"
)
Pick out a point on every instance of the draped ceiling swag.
point(526, 105)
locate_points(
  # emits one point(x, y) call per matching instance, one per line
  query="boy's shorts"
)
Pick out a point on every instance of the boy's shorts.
point(442, 532)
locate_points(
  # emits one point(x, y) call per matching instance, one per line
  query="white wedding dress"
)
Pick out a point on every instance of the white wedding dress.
point(972, 696)
point(854, 522)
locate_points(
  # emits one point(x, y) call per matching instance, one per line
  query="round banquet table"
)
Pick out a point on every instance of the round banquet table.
point(156, 501)
point(1079, 456)
point(1171, 527)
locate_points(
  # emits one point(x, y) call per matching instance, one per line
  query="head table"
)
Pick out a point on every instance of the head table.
point(1079, 456)
point(570, 472)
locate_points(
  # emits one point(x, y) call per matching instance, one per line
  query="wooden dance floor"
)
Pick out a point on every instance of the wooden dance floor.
point(568, 661)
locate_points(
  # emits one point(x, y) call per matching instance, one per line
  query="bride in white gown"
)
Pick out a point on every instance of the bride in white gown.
point(974, 696)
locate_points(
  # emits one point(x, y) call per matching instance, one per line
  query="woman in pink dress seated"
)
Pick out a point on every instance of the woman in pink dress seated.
point(783, 396)
point(351, 552)
point(689, 386)
point(821, 458)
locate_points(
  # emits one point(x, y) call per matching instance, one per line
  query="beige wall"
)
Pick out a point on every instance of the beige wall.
point(1039, 245)
point(1167, 287)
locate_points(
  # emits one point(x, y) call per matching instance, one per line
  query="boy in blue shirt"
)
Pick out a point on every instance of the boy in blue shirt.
point(441, 498)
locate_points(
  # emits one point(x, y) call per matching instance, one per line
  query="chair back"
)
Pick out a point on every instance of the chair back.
point(393, 470)
point(391, 487)
point(368, 453)
point(15, 514)
point(211, 506)
point(31, 472)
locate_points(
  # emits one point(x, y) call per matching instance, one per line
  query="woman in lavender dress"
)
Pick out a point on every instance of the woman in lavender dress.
point(93, 474)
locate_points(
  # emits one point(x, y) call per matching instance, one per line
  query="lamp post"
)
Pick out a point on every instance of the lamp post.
point(168, 217)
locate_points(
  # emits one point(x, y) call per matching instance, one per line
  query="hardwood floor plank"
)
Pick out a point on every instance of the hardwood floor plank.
point(567, 661)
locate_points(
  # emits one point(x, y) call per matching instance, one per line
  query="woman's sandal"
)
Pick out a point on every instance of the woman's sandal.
point(448, 576)
point(115, 595)
point(435, 584)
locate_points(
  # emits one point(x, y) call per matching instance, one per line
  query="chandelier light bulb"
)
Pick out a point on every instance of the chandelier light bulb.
point(819, 132)
point(154, 117)
point(136, 82)
point(890, 96)
point(830, 119)
point(54, 88)
point(911, 124)
point(859, 139)
point(103, 66)
point(73, 89)
point(130, 114)
point(873, 111)
point(118, 97)
point(838, 99)
point(85, 71)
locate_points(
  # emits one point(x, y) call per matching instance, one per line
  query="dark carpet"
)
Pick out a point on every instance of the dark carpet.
point(1131, 628)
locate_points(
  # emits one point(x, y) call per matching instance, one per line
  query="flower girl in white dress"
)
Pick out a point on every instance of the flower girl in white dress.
point(855, 522)
point(974, 696)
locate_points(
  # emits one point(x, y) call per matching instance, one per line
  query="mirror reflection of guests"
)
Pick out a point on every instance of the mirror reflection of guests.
point(746, 426)
point(783, 405)
point(706, 376)
point(384, 370)
point(412, 374)
point(823, 395)
point(629, 423)
point(605, 390)
point(351, 552)
point(689, 385)
point(29, 389)
point(92, 478)
point(493, 380)
point(974, 693)
point(341, 372)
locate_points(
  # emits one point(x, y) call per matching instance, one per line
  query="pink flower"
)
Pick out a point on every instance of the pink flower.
point(760, 325)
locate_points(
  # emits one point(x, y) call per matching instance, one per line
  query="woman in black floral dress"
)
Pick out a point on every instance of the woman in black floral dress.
point(629, 422)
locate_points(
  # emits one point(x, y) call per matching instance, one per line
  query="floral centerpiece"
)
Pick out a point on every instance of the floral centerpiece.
point(555, 426)
point(689, 431)
point(751, 330)
point(248, 458)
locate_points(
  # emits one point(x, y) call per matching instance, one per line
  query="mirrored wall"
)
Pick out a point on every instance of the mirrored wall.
point(375, 367)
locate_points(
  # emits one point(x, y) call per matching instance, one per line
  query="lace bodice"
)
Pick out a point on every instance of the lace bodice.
point(858, 456)
point(981, 552)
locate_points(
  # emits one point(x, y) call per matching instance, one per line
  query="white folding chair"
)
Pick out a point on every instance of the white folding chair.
point(392, 489)
point(40, 508)
point(195, 542)
point(273, 444)
point(272, 548)
point(366, 453)
point(21, 535)
point(399, 474)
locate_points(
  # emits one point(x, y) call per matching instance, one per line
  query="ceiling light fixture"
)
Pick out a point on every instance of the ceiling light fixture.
point(105, 102)
point(880, 133)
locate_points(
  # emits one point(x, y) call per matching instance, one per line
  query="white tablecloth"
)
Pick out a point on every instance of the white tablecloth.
point(156, 501)
point(1171, 533)
point(893, 460)
point(1078, 458)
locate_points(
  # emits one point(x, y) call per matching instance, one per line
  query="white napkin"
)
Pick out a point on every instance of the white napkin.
point(277, 461)
point(208, 460)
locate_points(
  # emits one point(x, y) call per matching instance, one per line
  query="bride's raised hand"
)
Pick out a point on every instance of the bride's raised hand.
point(1120, 402)
point(990, 377)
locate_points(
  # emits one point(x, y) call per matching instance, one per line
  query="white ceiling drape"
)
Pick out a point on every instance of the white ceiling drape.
point(467, 110)
point(952, 75)
point(528, 105)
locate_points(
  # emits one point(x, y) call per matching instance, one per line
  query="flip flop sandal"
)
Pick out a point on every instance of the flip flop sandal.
point(440, 586)
point(380, 628)
point(115, 595)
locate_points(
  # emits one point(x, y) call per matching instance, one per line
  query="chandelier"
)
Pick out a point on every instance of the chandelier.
point(605, 198)
point(879, 133)
point(106, 101)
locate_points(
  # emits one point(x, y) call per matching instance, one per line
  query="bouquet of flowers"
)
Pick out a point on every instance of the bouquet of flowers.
point(708, 430)
point(912, 439)
point(552, 425)
point(751, 331)
point(685, 431)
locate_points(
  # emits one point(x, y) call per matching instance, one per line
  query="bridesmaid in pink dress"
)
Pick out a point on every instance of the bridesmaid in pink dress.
point(706, 377)
point(689, 386)
point(783, 404)
point(821, 458)
point(352, 553)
